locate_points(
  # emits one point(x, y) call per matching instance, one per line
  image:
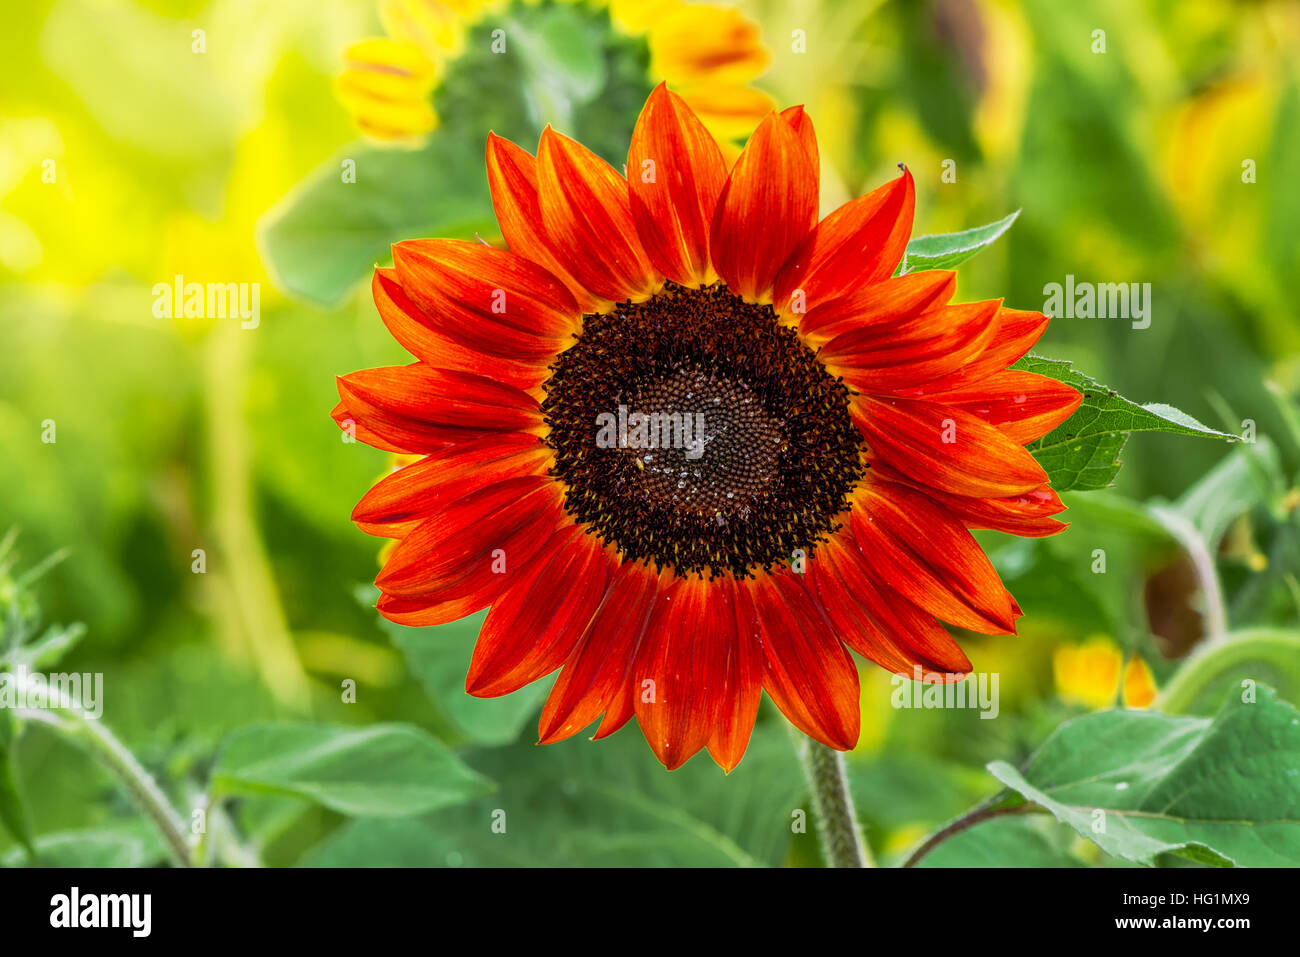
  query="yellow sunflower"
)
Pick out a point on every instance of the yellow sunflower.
point(708, 53)
point(1092, 672)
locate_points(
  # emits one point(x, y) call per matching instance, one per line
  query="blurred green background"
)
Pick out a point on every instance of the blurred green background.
point(126, 159)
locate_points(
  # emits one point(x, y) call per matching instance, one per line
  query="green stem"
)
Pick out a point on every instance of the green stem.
point(199, 855)
point(837, 822)
point(245, 591)
point(1220, 657)
point(229, 849)
point(68, 718)
point(219, 844)
point(975, 816)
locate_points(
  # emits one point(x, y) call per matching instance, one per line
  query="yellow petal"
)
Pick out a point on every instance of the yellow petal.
point(434, 26)
point(365, 83)
point(386, 55)
point(472, 10)
point(1006, 51)
point(385, 119)
point(635, 17)
point(1088, 673)
point(1139, 684)
point(386, 88)
point(697, 43)
point(729, 111)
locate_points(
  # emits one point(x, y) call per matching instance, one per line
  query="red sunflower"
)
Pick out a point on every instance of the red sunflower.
point(849, 427)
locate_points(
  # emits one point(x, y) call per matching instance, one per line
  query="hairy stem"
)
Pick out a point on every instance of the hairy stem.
point(67, 717)
point(837, 822)
point(975, 816)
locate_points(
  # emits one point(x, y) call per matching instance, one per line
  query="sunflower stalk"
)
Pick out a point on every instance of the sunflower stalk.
point(837, 822)
point(68, 718)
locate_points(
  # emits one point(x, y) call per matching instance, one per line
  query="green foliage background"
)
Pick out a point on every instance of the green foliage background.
point(175, 435)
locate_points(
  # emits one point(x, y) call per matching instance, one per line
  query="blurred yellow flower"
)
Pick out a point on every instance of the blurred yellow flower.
point(708, 53)
point(1093, 672)
point(1006, 53)
point(1139, 684)
point(386, 88)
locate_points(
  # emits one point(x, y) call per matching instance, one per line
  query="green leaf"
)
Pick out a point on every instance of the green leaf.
point(1109, 509)
point(56, 642)
point(129, 844)
point(563, 63)
point(13, 809)
point(1083, 451)
point(898, 791)
point(379, 771)
point(949, 250)
point(1015, 841)
point(1251, 475)
point(598, 803)
point(1140, 784)
point(439, 658)
point(326, 235)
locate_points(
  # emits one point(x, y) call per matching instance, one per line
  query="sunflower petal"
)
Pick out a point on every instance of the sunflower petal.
point(890, 631)
point(598, 673)
point(802, 125)
point(807, 672)
point(1016, 333)
point(706, 44)
point(489, 300)
point(403, 499)
point(768, 206)
point(420, 409)
point(588, 219)
point(925, 555)
point(944, 447)
point(742, 677)
point(1023, 405)
point(860, 243)
point(681, 669)
point(887, 357)
point(418, 335)
point(422, 612)
point(489, 533)
point(1026, 514)
point(675, 174)
point(534, 626)
point(343, 416)
point(879, 304)
point(512, 178)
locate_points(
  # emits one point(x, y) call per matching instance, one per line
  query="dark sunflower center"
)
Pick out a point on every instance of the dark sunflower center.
point(696, 432)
